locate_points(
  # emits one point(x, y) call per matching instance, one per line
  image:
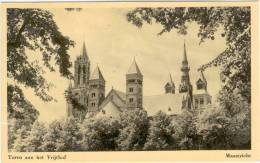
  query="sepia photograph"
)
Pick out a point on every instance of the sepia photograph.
point(131, 78)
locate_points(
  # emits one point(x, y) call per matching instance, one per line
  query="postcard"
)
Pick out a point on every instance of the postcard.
point(130, 81)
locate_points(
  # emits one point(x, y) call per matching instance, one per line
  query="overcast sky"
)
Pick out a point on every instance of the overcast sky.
point(112, 43)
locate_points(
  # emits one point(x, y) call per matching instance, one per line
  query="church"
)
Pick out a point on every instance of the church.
point(89, 91)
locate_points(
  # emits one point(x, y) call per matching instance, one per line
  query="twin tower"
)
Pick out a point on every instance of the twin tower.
point(89, 90)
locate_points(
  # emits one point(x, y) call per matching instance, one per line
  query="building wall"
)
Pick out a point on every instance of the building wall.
point(134, 91)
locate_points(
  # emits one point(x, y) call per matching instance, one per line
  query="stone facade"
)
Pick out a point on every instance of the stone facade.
point(89, 91)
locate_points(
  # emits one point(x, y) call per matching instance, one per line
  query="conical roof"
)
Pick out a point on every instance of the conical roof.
point(185, 60)
point(84, 50)
point(97, 74)
point(169, 80)
point(202, 77)
point(134, 69)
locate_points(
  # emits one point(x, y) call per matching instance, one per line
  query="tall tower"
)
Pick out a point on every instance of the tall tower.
point(79, 91)
point(82, 69)
point(185, 85)
point(96, 90)
point(169, 86)
point(134, 87)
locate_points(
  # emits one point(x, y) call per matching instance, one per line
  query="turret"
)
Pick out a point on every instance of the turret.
point(169, 86)
point(201, 82)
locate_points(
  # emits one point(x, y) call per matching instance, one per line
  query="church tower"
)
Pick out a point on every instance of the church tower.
point(79, 90)
point(96, 90)
point(82, 69)
point(185, 85)
point(169, 86)
point(134, 87)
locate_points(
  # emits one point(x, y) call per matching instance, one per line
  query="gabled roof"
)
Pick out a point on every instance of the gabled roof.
point(134, 69)
point(122, 95)
point(96, 74)
point(116, 96)
point(110, 110)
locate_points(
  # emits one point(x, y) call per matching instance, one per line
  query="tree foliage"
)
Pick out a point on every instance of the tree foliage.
point(161, 131)
point(134, 129)
point(235, 60)
point(53, 141)
point(99, 134)
point(28, 31)
point(35, 137)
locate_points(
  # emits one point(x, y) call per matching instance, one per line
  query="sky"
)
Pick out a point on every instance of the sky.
point(112, 43)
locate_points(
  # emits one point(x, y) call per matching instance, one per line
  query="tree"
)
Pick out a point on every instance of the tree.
point(227, 125)
point(53, 141)
point(19, 108)
point(186, 130)
point(134, 129)
point(235, 60)
point(35, 137)
point(71, 135)
point(20, 142)
point(161, 130)
point(34, 30)
point(99, 134)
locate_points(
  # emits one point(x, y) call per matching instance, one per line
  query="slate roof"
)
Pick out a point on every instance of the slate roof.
point(97, 74)
point(134, 69)
point(169, 80)
point(121, 94)
point(168, 103)
point(110, 110)
point(84, 51)
point(202, 77)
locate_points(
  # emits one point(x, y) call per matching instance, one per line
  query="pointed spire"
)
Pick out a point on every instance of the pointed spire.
point(202, 77)
point(170, 81)
point(84, 50)
point(97, 74)
point(134, 69)
point(185, 60)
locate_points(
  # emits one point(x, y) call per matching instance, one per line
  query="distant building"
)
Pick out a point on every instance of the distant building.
point(89, 90)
